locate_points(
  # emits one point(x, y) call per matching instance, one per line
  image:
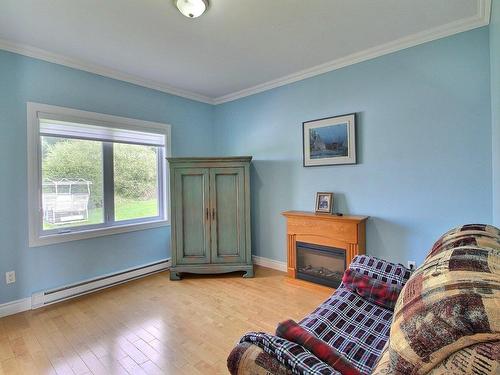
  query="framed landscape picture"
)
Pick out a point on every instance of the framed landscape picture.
point(330, 141)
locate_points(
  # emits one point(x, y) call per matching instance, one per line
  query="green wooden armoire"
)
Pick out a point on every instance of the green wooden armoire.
point(210, 208)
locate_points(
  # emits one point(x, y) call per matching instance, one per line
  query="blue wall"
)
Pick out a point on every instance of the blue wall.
point(424, 152)
point(495, 105)
point(24, 79)
point(423, 142)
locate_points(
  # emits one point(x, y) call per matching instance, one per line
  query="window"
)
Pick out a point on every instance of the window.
point(90, 174)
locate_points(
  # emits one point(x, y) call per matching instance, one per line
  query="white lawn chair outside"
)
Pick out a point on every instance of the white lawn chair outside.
point(66, 201)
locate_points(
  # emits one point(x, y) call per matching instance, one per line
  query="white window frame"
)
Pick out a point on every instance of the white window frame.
point(37, 237)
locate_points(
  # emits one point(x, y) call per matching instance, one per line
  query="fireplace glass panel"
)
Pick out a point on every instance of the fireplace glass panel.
point(320, 264)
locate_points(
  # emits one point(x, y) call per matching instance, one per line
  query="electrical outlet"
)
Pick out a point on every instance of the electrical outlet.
point(10, 277)
point(411, 265)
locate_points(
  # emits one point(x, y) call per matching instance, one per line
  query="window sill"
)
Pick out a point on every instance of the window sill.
point(50, 239)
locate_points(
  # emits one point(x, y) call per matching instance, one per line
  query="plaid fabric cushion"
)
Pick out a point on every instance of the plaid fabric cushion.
point(293, 332)
point(294, 356)
point(374, 290)
point(382, 270)
point(357, 328)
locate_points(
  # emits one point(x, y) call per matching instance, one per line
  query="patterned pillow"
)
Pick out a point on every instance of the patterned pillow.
point(477, 235)
point(247, 358)
point(373, 290)
point(450, 303)
point(481, 359)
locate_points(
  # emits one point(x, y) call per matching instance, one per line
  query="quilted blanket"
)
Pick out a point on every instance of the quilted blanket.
point(246, 358)
point(295, 357)
point(450, 309)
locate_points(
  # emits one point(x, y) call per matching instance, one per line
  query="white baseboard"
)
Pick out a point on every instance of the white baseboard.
point(48, 297)
point(269, 263)
point(14, 307)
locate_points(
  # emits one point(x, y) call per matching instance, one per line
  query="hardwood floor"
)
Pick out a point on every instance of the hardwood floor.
point(153, 325)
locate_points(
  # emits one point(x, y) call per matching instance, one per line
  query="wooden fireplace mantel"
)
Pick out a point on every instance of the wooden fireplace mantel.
point(343, 232)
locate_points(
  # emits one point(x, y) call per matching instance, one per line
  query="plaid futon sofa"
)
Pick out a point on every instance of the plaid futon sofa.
point(446, 320)
point(356, 325)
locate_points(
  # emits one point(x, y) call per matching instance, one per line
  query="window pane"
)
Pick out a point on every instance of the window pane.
point(72, 180)
point(136, 181)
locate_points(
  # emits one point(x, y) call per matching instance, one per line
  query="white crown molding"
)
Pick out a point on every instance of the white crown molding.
point(269, 263)
point(482, 18)
point(41, 54)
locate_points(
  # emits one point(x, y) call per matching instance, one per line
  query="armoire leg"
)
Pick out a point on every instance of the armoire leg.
point(248, 274)
point(174, 275)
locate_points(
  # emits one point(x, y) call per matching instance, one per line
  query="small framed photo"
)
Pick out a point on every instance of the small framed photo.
point(324, 203)
point(329, 141)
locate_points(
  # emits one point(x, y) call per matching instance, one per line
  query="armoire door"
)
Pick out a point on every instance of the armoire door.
point(227, 201)
point(192, 224)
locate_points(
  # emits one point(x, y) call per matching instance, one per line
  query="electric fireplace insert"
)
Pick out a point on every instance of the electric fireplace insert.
point(320, 264)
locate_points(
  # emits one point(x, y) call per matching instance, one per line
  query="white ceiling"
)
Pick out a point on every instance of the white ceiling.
point(237, 48)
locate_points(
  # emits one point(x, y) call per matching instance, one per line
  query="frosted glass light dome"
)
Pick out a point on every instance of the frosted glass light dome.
point(192, 8)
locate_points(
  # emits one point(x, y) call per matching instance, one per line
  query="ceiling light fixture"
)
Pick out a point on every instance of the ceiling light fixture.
point(192, 8)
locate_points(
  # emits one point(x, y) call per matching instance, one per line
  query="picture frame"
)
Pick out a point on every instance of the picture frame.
point(329, 141)
point(324, 203)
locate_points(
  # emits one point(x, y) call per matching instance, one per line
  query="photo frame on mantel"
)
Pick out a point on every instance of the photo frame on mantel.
point(329, 141)
point(324, 203)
